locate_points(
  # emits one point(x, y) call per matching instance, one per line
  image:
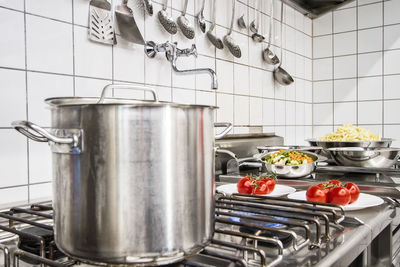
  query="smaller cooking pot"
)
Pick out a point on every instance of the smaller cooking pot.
point(283, 171)
point(294, 171)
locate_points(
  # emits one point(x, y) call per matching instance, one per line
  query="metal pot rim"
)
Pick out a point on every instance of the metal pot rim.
point(315, 157)
point(363, 149)
point(383, 139)
point(88, 101)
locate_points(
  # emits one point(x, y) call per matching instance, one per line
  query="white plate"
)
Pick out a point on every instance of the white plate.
point(363, 201)
point(280, 190)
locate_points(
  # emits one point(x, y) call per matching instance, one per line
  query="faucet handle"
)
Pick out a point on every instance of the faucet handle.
point(188, 51)
point(193, 50)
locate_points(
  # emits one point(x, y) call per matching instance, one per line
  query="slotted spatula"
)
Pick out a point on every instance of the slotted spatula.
point(127, 24)
point(101, 22)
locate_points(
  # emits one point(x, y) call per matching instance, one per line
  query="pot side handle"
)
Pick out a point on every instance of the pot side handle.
point(228, 126)
point(37, 133)
point(126, 86)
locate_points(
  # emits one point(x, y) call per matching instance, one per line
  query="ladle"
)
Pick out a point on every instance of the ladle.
point(217, 42)
point(184, 24)
point(149, 6)
point(228, 40)
point(281, 75)
point(200, 18)
point(241, 23)
point(166, 21)
point(268, 55)
point(255, 23)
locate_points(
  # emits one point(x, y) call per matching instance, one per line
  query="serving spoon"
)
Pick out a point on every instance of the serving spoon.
point(184, 23)
point(149, 7)
point(268, 55)
point(255, 23)
point(228, 40)
point(200, 18)
point(217, 42)
point(166, 21)
point(281, 75)
point(241, 23)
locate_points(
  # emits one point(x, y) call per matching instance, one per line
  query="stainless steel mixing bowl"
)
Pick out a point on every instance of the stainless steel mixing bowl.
point(379, 157)
point(384, 142)
point(294, 171)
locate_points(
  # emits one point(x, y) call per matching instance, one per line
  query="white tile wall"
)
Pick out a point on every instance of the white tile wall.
point(344, 20)
point(345, 90)
point(365, 52)
point(370, 40)
point(345, 66)
point(12, 52)
point(345, 113)
point(345, 43)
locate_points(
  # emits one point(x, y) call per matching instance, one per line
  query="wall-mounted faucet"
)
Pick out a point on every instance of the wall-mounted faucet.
point(172, 52)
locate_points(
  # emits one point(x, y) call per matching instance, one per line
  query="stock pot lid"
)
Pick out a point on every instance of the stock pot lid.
point(83, 101)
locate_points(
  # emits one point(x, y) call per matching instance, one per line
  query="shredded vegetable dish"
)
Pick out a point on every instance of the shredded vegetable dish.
point(351, 133)
point(288, 157)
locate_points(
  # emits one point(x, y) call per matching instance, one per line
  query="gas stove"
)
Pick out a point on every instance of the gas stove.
point(249, 231)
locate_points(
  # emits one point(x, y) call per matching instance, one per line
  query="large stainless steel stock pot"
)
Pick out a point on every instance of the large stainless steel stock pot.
point(133, 182)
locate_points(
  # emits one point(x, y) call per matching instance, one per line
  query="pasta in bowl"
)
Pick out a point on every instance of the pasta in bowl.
point(351, 136)
point(351, 133)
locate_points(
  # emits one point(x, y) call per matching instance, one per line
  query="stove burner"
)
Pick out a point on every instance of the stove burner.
point(285, 238)
point(28, 243)
point(265, 224)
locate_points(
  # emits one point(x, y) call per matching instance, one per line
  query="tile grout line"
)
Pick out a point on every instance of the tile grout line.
point(312, 78)
point(27, 102)
point(359, 53)
point(333, 74)
point(357, 65)
point(363, 29)
point(73, 51)
point(23, 185)
point(383, 69)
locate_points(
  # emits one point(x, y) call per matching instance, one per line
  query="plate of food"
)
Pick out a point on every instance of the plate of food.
point(346, 195)
point(264, 184)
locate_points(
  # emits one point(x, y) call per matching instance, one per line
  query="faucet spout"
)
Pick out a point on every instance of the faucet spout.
point(172, 52)
point(214, 81)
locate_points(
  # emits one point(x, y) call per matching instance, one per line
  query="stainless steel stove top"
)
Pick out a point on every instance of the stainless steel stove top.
point(249, 231)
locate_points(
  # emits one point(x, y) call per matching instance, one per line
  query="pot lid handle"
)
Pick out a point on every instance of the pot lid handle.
point(228, 126)
point(126, 86)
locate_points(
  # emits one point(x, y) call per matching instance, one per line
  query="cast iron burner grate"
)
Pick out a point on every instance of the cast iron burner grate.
point(249, 231)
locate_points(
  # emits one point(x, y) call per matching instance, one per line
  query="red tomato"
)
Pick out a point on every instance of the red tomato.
point(245, 186)
point(339, 195)
point(324, 187)
point(256, 185)
point(260, 188)
point(336, 182)
point(264, 186)
point(316, 194)
point(271, 184)
point(354, 191)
